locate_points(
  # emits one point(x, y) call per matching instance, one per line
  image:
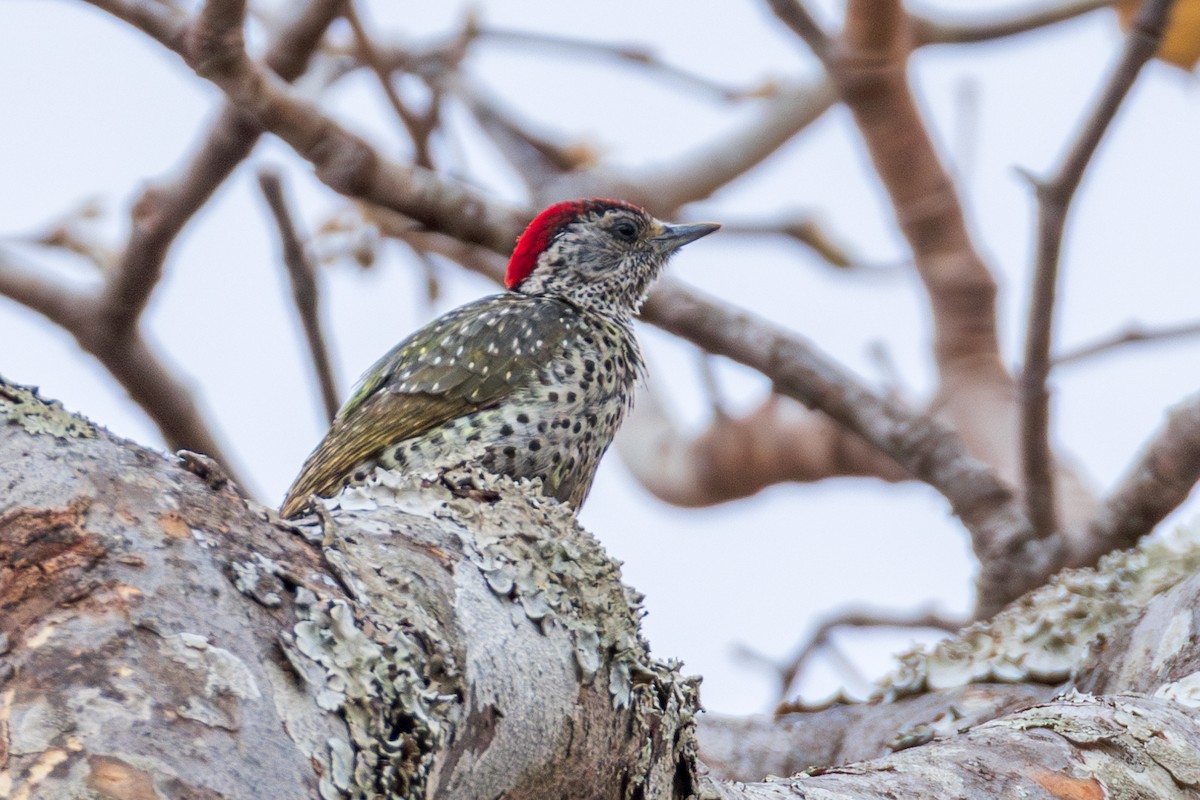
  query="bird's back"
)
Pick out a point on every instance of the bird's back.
point(527, 386)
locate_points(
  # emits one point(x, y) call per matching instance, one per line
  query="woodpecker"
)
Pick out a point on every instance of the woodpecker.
point(530, 383)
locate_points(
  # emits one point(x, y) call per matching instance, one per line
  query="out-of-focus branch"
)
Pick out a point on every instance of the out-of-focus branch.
point(162, 211)
point(1134, 334)
point(1054, 200)
point(790, 109)
point(927, 30)
point(124, 353)
point(735, 457)
point(796, 16)
point(111, 332)
point(788, 671)
point(635, 55)
point(302, 273)
point(1011, 561)
point(58, 303)
point(419, 127)
point(801, 228)
point(1155, 485)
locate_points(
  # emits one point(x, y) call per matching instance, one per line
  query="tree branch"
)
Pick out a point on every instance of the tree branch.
point(302, 273)
point(1054, 199)
point(1011, 561)
point(736, 457)
point(1133, 334)
point(1155, 485)
point(927, 30)
point(162, 211)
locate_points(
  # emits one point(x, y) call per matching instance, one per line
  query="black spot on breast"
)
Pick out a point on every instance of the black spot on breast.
point(506, 429)
point(523, 418)
point(553, 397)
point(360, 476)
point(510, 451)
point(542, 426)
point(578, 427)
point(571, 397)
point(401, 461)
point(535, 445)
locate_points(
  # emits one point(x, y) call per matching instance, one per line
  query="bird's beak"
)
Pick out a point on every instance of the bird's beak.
point(674, 237)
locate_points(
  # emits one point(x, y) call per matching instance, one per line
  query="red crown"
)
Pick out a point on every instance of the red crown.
point(545, 226)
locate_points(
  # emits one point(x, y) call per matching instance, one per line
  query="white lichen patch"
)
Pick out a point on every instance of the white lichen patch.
point(415, 494)
point(1050, 632)
point(22, 406)
point(225, 677)
point(376, 673)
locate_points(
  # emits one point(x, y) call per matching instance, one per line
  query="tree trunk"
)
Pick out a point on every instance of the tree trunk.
point(161, 636)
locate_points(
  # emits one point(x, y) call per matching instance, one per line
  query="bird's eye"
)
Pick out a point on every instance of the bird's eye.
point(626, 230)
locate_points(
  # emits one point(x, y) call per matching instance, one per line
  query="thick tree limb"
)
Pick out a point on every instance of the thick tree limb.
point(419, 640)
point(466, 646)
point(1054, 201)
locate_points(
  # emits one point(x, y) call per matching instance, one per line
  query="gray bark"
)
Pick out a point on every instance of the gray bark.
point(161, 636)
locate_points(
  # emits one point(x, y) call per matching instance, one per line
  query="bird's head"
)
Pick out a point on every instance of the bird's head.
point(599, 254)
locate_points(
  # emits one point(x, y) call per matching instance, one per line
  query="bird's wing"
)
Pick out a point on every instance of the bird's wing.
point(469, 359)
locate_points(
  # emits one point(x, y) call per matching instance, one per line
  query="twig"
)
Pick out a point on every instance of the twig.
point(1134, 334)
point(801, 228)
point(789, 671)
point(1054, 199)
point(931, 31)
point(1154, 486)
point(304, 287)
point(706, 363)
point(418, 127)
point(629, 54)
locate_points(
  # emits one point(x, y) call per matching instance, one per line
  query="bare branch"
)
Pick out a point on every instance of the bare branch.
point(302, 272)
point(342, 160)
point(56, 302)
point(1054, 200)
point(1011, 561)
point(796, 16)
point(125, 354)
point(735, 457)
point(419, 128)
point(801, 228)
point(635, 55)
point(1133, 334)
point(926, 30)
point(161, 212)
point(789, 671)
point(1155, 485)
point(784, 113)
